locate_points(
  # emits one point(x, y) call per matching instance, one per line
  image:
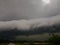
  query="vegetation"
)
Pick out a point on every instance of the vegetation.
point(54, 40)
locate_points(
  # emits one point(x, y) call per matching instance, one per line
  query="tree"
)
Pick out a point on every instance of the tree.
point(54, 40)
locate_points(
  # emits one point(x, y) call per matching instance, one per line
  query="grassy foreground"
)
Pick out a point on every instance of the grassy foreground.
point(24, 44)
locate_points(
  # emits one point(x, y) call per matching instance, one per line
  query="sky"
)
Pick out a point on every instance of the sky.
point(30, 24)
point(26, 14)
point(28, 9)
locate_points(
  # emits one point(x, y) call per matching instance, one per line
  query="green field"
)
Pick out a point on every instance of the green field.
point(36, 37)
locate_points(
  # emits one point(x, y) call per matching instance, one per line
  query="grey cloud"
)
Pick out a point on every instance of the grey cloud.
point(28, 24)
point(27, 9)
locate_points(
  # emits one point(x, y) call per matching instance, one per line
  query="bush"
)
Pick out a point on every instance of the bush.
point(54, 40)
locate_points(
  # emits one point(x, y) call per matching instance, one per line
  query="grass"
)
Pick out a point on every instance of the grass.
point(32, 38)
point(26, 43)
point(36, 37)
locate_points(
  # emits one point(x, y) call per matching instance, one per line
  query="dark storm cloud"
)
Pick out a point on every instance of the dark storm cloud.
point(27, 9)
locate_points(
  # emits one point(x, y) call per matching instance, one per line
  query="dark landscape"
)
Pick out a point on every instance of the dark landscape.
point(29, 22)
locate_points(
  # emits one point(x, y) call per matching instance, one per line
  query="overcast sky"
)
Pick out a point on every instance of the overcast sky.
point(28, 9)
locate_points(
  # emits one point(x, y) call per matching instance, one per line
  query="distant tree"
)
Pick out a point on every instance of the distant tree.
point(54, 40)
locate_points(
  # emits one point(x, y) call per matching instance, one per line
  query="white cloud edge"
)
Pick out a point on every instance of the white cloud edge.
point(32, 23)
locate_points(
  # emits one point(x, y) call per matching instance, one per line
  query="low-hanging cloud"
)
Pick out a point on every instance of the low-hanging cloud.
point(30, 24)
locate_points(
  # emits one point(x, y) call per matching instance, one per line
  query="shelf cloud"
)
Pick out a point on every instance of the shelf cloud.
point(30, 24)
